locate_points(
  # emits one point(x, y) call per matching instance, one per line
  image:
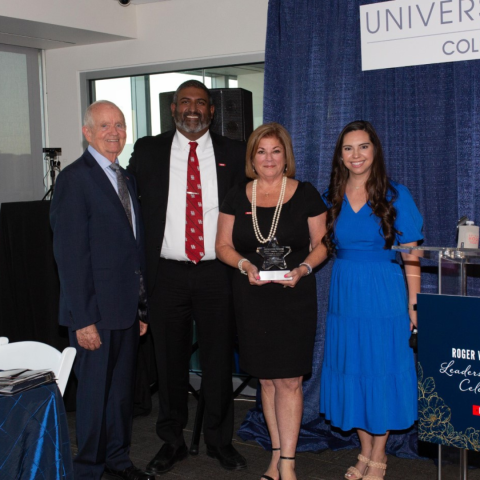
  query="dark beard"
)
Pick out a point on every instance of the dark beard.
point(181, 122)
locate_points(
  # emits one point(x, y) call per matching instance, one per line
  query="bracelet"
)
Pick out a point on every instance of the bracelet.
point(240, 263)
point(412, 275)
point(412, 306)
point(309, 268)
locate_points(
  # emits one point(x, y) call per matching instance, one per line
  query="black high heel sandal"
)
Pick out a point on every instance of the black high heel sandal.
point(284, 458)
point(268, 477)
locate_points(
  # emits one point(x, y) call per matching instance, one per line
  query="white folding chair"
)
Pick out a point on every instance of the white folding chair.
point(38, 356)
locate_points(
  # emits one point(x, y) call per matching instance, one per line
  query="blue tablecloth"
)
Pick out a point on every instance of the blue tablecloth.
point(34, 442)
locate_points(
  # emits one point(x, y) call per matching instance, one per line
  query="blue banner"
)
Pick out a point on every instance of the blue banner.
point(449, 370)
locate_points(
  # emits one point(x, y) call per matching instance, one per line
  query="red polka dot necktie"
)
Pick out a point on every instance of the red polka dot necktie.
point(194, 246)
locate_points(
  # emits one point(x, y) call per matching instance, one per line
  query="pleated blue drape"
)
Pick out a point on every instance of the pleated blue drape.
point(428, 118)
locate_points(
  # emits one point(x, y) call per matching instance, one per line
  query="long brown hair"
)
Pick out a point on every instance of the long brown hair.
point(380, 192)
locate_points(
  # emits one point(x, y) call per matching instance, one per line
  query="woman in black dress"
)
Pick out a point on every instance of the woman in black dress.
point(277, 322)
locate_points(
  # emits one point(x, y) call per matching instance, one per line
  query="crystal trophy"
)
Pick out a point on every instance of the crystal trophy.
point(274, 266)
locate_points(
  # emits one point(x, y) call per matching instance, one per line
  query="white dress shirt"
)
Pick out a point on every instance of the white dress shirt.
point(173, 247)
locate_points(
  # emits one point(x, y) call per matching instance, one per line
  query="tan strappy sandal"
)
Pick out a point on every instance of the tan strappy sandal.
point(355, 471)
point(380, 466)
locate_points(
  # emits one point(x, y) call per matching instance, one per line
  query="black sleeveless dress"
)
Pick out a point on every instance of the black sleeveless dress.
point(276, 325)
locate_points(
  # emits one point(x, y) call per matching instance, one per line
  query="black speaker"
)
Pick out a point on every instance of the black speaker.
point(233, 116)
point(166, 119)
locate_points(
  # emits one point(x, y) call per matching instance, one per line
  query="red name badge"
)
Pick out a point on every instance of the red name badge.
point(476, 410)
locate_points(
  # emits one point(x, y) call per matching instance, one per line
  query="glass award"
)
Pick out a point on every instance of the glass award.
point(274, 266)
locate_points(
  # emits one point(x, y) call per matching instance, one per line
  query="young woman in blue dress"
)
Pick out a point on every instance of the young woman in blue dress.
point(369, 379)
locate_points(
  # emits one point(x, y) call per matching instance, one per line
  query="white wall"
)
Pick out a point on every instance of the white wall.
point(170, 31)
point(252, 83)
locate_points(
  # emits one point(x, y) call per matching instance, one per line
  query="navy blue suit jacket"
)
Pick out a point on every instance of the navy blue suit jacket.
point(98, 257)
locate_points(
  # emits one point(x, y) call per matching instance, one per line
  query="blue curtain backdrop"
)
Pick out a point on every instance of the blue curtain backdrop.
point(428, 118)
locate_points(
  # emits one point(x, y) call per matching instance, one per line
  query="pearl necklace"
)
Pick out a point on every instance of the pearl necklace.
point(276, 215)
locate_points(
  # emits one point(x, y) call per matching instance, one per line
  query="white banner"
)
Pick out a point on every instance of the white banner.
point(401, 33)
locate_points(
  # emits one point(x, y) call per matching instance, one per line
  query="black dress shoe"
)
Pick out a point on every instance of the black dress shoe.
point(130, 473)
point(166, 457)
point(228, 457)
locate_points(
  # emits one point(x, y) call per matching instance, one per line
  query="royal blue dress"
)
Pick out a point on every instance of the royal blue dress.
point(369, 378)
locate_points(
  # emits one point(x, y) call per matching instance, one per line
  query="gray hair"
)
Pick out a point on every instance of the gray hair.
point(88, 117)
point(195, 84)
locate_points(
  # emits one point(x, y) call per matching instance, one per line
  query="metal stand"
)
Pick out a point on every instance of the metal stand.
point(452, 258)
point(462, 292)
point(463, 464)
point(197, 426)
point(439, 468)
point(51, 155)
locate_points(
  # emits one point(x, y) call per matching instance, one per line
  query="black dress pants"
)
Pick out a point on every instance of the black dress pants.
point(184, 291)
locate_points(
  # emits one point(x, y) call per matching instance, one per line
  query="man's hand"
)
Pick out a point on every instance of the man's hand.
point(143, 328)
point(88, 338)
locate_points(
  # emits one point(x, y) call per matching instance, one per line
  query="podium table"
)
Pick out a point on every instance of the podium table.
point(449, 355)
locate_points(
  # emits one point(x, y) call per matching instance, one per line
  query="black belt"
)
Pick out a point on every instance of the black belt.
point(188, 262)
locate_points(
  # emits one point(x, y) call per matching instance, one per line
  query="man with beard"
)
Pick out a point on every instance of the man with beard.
point(183, 176)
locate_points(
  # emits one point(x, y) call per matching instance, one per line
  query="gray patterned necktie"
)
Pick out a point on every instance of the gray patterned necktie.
point(123, 191)
point(125, 199)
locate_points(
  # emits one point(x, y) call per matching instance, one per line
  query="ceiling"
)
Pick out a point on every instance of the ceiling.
point(27, 33)
point(46, 36)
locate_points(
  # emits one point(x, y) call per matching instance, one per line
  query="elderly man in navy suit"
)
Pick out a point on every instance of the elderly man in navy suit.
point(98, 246)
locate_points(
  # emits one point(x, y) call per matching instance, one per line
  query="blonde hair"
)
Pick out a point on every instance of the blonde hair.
point(269, 130)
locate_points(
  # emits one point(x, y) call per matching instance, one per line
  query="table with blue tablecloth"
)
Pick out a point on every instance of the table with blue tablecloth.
point(34, 441)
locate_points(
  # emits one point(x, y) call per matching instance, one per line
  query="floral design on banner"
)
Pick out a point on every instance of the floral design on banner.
point(434, 417)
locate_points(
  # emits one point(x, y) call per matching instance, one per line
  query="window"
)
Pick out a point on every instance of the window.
point(138, 96)
point(21, 136)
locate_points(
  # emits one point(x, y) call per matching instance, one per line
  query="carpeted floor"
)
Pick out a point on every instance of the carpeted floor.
point(327, 465)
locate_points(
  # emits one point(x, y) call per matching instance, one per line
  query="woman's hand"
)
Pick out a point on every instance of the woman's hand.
point(296, 274)
point(253, 274)
point(318, 252)
point(413, 275)
point(413, 319)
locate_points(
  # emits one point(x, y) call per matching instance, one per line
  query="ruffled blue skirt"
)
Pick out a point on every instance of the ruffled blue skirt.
point(368, 378)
